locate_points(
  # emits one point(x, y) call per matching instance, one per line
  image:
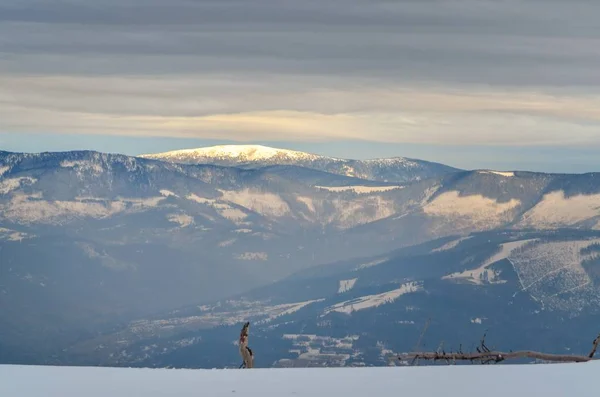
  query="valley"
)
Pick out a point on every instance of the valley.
point(307, 319)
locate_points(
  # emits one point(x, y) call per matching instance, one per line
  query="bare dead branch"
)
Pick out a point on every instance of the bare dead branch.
point(487, 356)
point(441, 347)
point(415, 360)
point(493, 356)
point(423, 333)
point(483, 346)
point(596, 342)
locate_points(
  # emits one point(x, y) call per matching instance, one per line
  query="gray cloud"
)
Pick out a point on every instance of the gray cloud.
point(403, 70)
point(498, 42)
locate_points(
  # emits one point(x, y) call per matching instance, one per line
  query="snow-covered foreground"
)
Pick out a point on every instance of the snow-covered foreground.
point(552, 380)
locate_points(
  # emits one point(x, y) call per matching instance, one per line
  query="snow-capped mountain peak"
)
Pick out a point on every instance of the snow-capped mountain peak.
point(397, 169)
point(240, 153)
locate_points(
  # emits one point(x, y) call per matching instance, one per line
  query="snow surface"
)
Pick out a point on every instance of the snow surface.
point(4, 170)
point(289, 308)
point(452, 244)
point(371, 301)
point(8, 185)
point(478, 210)
point(224, 209)
point(313, 350)
point(549, 380)
point(359, 189)
point(168, 193)
point(393, 161)
point(482, 273)
point(371, 263)
point(258, 153)
point(308, 202)
point(32, 208)
point(229, 312)
point(501, 173)
point(83, 166)
point(200, 200)
point(559, 265)
point(555, 210)
point(245, 231)
point(267, 204)
point(346, 213)
point(253, 256)
point(362, 210)
point(12, 235)
point(227, 243)
point(233, 214)
point(183, 220)
point(346, 285)
point(234, 152)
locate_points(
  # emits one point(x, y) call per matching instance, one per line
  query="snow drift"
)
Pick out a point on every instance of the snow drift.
point(550, 380)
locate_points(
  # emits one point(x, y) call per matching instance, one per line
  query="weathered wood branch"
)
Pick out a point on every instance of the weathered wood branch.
point(493, 356)
point(415, 360)
point(596, 342)
point(486, 356)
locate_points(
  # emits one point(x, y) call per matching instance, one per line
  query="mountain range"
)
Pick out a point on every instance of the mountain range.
point(396, 169)
point(105, 258)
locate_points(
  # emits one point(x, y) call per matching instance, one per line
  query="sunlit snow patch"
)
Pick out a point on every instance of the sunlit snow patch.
point(501, 173)
point(182, 219)
point(482, 273)
point(475, 210)
point(371, 301)
point(555, 210)
point(83, 165)
point(346, 285)
point(360, 189)
point(371, 263)
point(267, 204)
point(168, 193)
point(9, 185)
point(224, 209)
point(253, 256)
point(233, 152)
point(12, 235)
point(25, 210)
point(452, 244)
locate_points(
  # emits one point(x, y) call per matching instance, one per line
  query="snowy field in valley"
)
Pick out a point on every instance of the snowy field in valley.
point(551, 380)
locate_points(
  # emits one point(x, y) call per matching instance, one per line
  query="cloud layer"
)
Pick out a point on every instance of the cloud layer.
point(511, 72)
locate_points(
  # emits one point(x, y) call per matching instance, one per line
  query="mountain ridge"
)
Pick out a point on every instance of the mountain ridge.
point(141, 236)
point(393, 169)
point(246, 152)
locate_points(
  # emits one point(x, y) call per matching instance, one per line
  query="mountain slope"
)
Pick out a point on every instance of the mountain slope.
point(533, 290)
point(91, 241)
point(398, 169)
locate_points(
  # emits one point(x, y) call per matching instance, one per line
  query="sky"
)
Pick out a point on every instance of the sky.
point(504, 84)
